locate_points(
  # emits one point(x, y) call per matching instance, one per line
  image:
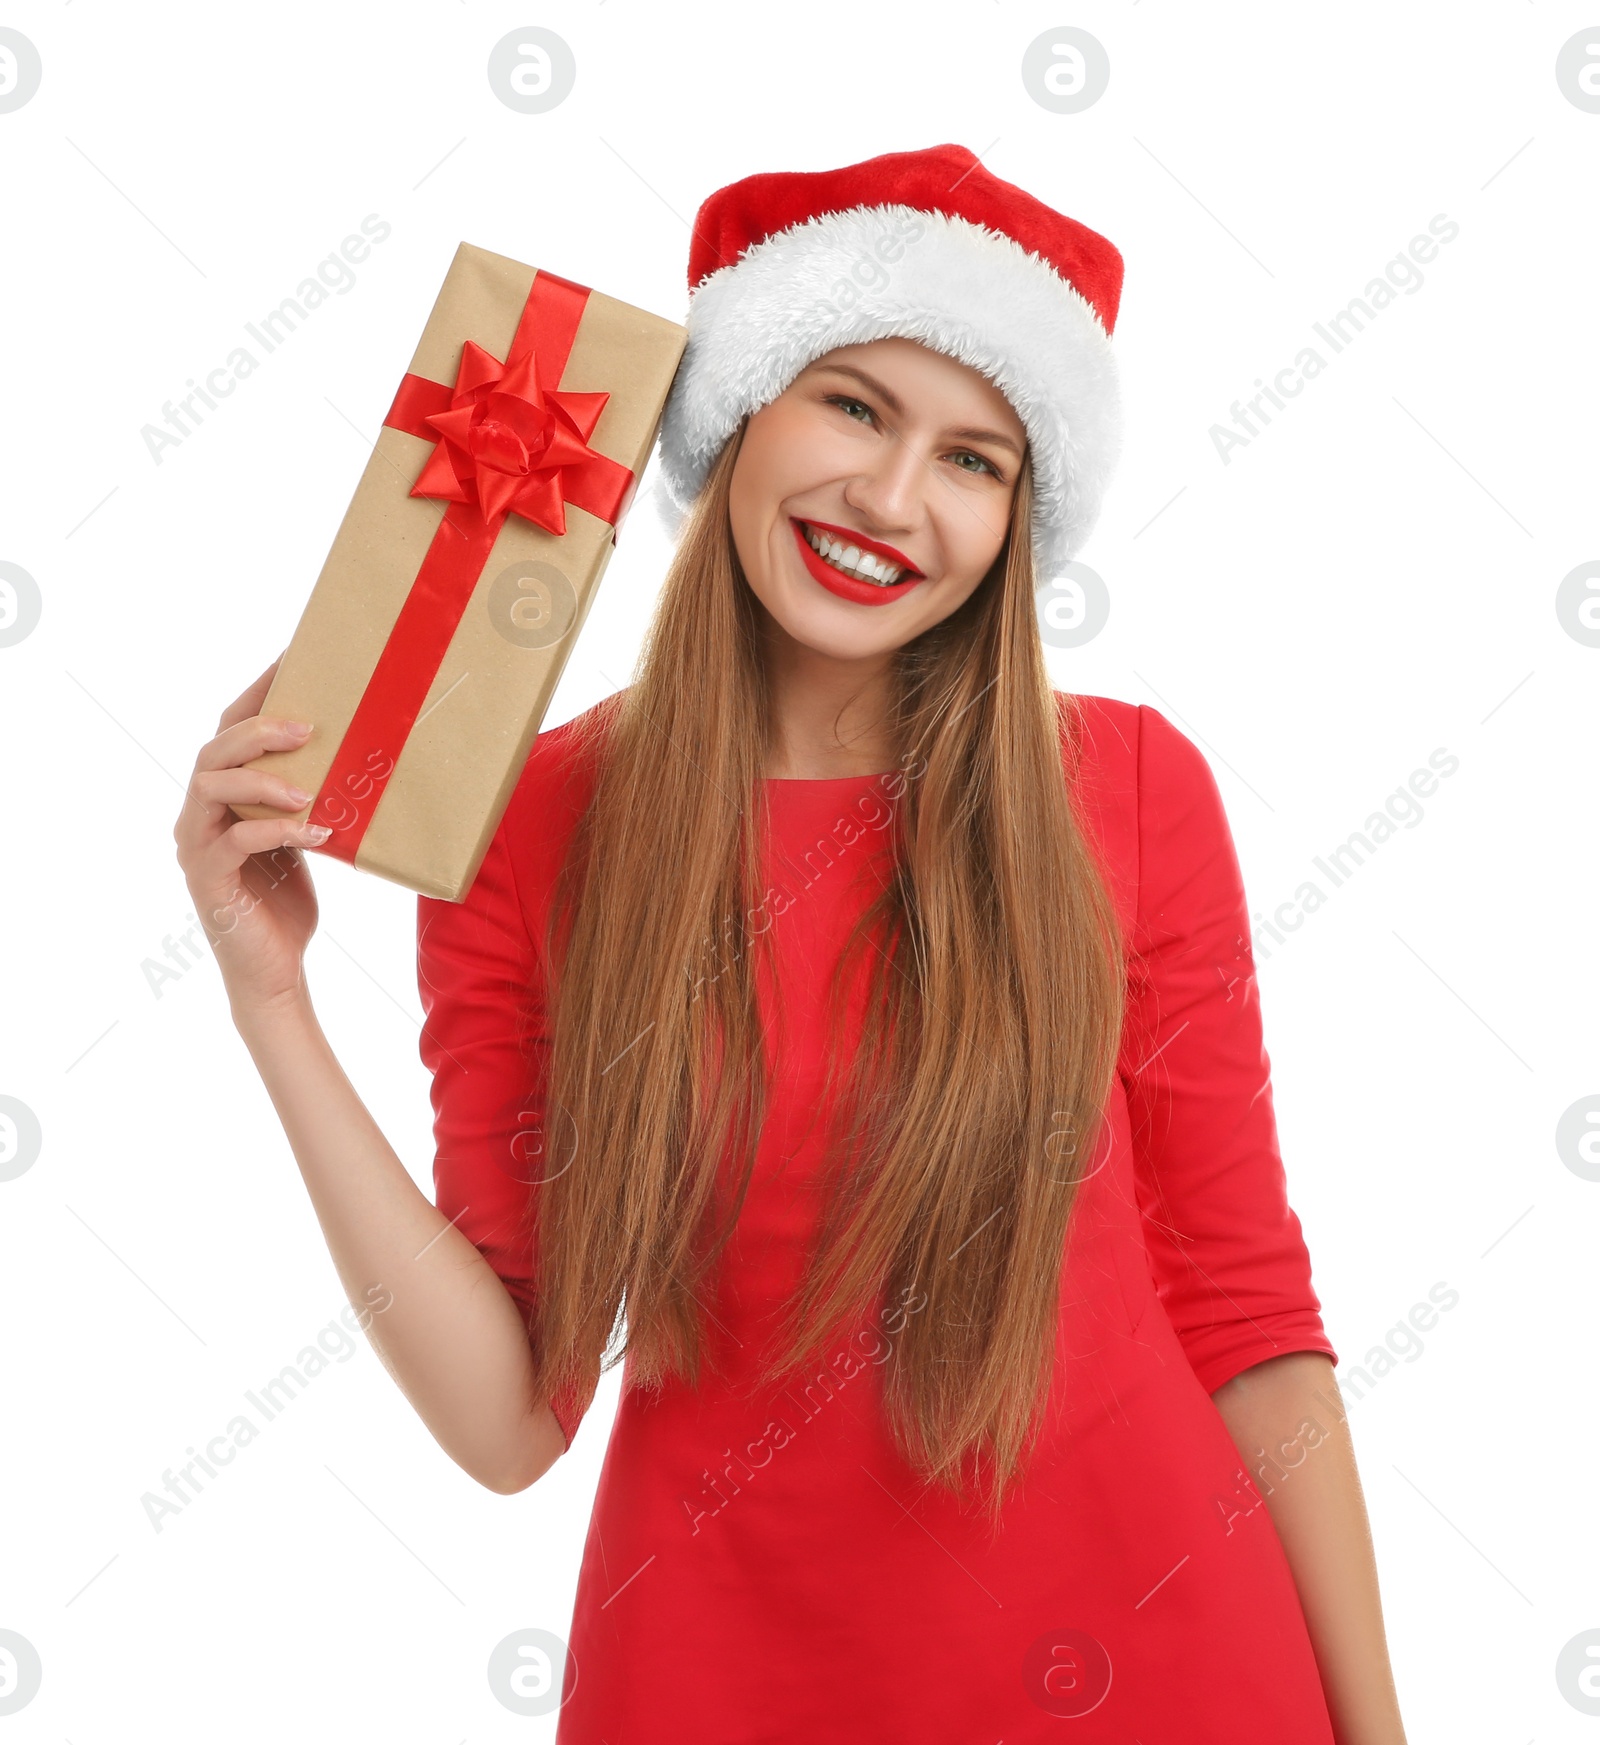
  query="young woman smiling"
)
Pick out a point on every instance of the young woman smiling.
point(859, 1039)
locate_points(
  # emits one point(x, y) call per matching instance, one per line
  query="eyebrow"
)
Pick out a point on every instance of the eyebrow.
point(968, 433)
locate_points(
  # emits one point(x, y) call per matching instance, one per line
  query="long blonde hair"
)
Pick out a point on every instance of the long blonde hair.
point(974, 1097)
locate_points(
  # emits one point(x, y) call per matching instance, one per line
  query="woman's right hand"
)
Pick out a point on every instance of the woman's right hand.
point(251, 887)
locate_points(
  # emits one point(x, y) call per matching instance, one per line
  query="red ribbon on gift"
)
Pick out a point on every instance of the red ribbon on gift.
point(509, 441)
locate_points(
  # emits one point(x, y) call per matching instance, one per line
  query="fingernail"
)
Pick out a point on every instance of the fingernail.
point(316, 832)
point(298, 726)
point(297, 796)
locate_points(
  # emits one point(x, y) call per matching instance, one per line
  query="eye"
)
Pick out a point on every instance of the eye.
point(983, 465)
point(845, 401)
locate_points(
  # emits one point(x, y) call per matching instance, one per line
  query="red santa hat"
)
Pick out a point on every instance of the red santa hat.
point(928, 245)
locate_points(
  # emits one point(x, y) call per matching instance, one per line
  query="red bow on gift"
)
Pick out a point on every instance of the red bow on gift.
point(507, 438)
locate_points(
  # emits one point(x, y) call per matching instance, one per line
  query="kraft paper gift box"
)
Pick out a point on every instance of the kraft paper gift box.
point(465, 565)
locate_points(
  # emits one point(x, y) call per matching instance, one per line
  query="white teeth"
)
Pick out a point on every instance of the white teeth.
point(864, 566)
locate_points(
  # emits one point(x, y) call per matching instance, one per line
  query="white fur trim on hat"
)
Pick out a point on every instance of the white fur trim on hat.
point(960, 288)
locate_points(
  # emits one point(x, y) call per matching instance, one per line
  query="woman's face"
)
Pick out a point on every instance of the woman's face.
point(906, 455)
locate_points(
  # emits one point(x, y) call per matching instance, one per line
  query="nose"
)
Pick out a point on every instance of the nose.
point(888, 492)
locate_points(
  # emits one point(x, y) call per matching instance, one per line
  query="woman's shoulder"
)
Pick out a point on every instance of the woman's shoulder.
point(1113, 749)
point(1142, 787)
point(1120, 747)
point(1129, 769)
point(564, 756)
point(551, 792)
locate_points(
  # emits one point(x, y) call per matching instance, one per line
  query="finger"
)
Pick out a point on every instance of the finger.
point(243, 785)
point(218, 864)
point(249, 700)
point(218, 789)
point(248, 739)
point(231, 748)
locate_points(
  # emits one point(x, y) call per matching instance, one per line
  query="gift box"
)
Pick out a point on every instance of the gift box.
point(465, 565)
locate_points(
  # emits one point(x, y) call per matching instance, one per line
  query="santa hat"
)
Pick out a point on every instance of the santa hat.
point(928, 245)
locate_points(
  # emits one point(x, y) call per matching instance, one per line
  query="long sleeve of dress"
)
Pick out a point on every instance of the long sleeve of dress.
point(484, 1042)
point(1229, 1261)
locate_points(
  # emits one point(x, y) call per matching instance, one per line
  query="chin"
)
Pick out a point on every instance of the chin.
point(841, 634)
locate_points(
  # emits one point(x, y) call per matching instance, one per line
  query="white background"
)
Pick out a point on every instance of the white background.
point(1373, 577)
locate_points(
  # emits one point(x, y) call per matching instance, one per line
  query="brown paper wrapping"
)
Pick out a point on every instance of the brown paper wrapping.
point(455, 774)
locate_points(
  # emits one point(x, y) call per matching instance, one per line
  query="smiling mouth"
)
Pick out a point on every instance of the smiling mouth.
point(850, 560)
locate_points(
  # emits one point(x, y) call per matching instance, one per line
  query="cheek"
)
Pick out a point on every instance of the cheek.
point(748, 501)
point(757, 486)
point(975, 540)
point(779, 459)
point(791, 447)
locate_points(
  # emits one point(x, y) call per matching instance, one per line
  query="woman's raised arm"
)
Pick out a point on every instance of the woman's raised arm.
point(439, 1318)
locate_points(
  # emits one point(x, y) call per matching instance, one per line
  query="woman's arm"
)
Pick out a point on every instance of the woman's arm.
point(1226, 1249)
point(1287, 1419)
point(449, 1331)
point(450, 1334)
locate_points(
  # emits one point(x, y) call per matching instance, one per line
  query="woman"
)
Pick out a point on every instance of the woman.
point(870, 1031)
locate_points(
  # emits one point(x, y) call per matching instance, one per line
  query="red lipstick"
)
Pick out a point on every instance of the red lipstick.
point(847, 587)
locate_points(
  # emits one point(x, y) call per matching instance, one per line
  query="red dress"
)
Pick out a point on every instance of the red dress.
point(765, 1570)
